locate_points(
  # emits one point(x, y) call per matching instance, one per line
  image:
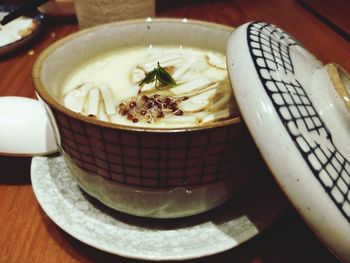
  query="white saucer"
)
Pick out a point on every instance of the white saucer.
point(152, 239)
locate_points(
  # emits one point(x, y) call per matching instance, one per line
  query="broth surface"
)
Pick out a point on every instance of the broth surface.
point(108, 86)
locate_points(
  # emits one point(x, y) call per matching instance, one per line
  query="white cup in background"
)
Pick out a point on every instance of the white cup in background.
point(95, 12)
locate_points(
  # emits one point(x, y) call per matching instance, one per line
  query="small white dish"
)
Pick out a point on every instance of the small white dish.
point(300, 125)
point(173, 239)
point(20, 32)
point(25, 129)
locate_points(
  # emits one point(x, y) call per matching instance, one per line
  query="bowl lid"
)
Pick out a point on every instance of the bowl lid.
point(296, 110)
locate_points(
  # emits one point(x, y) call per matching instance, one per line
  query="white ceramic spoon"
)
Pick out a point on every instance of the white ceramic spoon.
point(25, 129)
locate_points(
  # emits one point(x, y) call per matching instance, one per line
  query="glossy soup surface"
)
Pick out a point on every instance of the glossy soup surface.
point(123, 87)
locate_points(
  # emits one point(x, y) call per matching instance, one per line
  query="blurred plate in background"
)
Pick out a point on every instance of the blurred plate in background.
point(19, 32)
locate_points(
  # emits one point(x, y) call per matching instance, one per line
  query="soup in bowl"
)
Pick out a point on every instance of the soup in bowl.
point(145, 117)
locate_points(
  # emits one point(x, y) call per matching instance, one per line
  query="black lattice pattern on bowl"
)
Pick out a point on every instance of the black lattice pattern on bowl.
point(156, 160)
point(270, 49)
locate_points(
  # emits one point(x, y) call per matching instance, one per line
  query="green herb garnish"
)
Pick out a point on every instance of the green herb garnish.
point(160, 76)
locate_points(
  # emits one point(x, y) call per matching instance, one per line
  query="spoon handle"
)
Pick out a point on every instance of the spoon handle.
point(20, 11)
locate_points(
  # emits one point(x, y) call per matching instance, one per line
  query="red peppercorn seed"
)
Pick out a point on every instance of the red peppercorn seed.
point(178, 112)
point(167, 100)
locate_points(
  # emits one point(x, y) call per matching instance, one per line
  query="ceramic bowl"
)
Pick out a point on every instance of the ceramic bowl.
point(143, 171)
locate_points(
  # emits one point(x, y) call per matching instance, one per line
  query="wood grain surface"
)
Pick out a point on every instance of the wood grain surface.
point(335, 13)
point(28, 235)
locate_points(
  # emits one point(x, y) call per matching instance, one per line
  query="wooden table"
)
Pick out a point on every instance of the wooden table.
point(28, 235)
